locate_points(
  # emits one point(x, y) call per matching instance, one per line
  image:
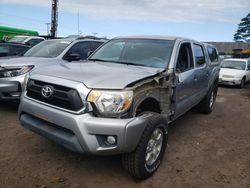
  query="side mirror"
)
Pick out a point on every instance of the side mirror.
point(73, 57)
point(16, 53)
point(89, 53)
point(27, 43)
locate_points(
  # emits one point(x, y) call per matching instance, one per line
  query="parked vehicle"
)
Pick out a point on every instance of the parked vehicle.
point(29, 40)
point(235, 72)
point(7, 33)
point(122, 100)
point(12, 49)
point(14, 71)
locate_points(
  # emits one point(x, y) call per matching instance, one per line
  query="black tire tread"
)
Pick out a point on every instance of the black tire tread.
point(130, 160)
point(204, 104)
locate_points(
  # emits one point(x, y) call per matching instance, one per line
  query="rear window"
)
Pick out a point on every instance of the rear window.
point(213, 55)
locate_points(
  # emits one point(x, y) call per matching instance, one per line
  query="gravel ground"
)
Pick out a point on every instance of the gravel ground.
point(203, 151)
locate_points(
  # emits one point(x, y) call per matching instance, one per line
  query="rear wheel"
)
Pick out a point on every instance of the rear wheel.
point(207, 104)
point(146, 158)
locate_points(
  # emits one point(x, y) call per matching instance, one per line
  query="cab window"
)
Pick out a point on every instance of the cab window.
point(4, 50)
point(213, 55)
point(81, 48)
point(34, 42)
point(199, 55)
point(185, 60)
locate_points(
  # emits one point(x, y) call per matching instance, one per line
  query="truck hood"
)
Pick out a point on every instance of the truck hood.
point(232, 72)
point(21, 61)
point(98, 75)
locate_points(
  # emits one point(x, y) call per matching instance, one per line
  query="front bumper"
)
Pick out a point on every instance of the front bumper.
point(229, 81)
point(81, 133)
point(11, 88)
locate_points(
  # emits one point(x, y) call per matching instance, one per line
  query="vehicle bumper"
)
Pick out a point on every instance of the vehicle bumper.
point(229, 81)
point(11, 88)
point(83, 133)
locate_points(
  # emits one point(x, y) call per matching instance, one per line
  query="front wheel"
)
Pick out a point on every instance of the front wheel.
point(146, 158)
point(242, 83)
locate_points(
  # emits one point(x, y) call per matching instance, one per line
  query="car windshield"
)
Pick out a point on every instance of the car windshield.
point(19, 39)
point(48, 49)
point(139, 52)
point(240, 65)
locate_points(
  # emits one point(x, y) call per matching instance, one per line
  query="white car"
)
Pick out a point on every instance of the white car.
point(235, 72)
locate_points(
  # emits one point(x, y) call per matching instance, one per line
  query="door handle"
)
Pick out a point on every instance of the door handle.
point(195, 77)
point(180, 80)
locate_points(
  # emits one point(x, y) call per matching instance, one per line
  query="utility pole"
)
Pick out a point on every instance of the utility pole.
point(54, 18)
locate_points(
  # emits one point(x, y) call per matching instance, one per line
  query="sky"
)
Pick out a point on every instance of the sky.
point(203, 20)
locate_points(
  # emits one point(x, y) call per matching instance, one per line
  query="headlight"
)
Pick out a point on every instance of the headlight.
point(111, 102)
point(15, 71)
point(26, 79)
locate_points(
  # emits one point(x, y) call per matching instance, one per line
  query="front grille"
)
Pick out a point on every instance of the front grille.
point(63, 97)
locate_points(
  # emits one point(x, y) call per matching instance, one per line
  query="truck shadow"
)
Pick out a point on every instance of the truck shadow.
point(9, 106)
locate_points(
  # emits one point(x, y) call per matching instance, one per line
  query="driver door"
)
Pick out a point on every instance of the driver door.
point(186, 88)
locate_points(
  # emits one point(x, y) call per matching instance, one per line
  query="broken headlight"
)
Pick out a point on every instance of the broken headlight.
point(111, 102)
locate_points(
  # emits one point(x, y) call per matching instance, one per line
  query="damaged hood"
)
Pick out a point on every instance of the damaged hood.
point(99, 75)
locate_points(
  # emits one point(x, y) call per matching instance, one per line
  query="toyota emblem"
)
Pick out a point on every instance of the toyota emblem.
point(47, 91)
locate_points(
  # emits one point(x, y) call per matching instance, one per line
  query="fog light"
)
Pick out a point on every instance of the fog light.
point(111, 140)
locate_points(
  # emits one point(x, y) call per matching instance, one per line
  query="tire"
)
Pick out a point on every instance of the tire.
point(144, 161)
point(207, 104)
point(242, 83)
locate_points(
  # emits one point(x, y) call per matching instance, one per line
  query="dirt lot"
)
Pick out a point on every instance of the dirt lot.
point(203, 151)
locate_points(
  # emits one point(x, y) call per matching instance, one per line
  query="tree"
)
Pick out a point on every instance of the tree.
point(243, 32)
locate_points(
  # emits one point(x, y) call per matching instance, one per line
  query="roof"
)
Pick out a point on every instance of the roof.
point(86, 37)
point(160, 37)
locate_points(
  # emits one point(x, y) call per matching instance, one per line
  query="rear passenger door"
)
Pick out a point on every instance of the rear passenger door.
point(201, 71)
point(185, 90)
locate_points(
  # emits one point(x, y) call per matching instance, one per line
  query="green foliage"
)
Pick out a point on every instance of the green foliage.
point(243, 32)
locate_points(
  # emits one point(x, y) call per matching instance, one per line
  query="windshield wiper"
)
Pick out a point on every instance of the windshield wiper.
point(118, 62)
point(102, 60)
point(128, 63)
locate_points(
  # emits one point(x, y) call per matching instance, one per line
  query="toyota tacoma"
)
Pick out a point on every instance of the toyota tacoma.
point(123, 98)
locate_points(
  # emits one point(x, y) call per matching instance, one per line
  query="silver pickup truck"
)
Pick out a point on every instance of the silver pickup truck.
point(123, 98)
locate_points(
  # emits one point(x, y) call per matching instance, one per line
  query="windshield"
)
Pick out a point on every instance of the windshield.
point(140, 52)
point(18, 39)
point(240, 65)
point(49, 49)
